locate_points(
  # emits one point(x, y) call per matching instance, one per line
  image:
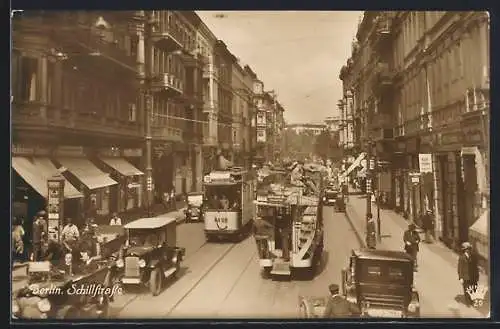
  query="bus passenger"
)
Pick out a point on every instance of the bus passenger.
point(224, 202)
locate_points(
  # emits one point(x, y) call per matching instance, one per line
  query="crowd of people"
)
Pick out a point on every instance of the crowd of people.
point(43, 246)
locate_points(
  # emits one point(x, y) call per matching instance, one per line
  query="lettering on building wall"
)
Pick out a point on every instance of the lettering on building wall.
point(18, 149)
point(70, 151)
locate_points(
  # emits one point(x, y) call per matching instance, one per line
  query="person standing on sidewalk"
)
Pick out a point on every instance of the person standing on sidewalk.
point(428, 225)
point(370, 231)
point(172, 198)
point(17, 240)
point(39, 235)
point(411, 239)
point(468, 271)
point(338, 307)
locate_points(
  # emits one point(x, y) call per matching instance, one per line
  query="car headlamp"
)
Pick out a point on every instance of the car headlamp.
point(119, 263)
point(43, 305)
point(142, 263)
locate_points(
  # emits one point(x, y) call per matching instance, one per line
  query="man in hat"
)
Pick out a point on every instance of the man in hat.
point(411, 239)
point(39, 235)
point(338, 307)
point(468, 270)
point(370, 231)
point(428, 225)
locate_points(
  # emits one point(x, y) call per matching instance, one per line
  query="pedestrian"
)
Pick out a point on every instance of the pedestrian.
point(39, 235)
point(370, 231)
point(70, 233)
point(115, 220)
point(17, 239)
point(468, 271)
point(411, 239)
point(428, 225)
point(172, 198)
point(338, 307)
point(166, 200)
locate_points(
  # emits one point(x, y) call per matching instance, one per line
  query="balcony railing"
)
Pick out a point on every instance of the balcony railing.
point(165, 35)
point(166, 133)
point(31, 116)
point(166, 82)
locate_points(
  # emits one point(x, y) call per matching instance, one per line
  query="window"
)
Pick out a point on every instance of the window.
point(28, 79)
point(132, 112)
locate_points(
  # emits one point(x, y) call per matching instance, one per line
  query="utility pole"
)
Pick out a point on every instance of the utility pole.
point(370, 164)
point(148, 48)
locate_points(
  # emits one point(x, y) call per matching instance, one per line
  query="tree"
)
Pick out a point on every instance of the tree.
point(327, 146)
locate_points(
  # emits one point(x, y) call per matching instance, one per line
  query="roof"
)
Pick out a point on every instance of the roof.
point(150, 223)
point(382, 254)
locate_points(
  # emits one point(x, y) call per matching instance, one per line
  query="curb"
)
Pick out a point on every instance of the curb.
point(359, 235)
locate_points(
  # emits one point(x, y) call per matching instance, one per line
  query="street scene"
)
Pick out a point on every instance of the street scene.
point(158, 175)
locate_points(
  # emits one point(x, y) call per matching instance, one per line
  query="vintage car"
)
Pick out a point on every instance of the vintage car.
point(379, 282)
point(193, 211)
point(333, 196)
point(149, 256)
point(63, 292)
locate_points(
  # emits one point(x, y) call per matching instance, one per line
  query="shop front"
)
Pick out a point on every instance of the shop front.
point(32, 168)
point(399, 166)
point(130, 179)
point(92, 182)
point(449, 187)
point(163, 169)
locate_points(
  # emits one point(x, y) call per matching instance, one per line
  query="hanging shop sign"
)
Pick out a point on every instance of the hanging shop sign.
point(414, 178)
point(132, 152)
point(425, 162)
point(20, 150)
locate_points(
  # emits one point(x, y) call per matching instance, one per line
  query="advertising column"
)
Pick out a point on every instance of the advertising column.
point(55, 206)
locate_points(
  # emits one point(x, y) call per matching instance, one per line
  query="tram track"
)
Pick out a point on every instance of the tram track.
point(183, 286)
point(135, 296)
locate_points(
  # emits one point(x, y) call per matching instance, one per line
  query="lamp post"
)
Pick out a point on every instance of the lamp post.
point(146, 91)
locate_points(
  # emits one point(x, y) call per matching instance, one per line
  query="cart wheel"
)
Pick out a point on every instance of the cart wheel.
point(155, 279)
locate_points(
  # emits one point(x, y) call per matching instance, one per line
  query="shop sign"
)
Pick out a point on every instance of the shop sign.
point(469, 150)
point(473, 137)
point(414, 178)
point(425, 162)
point(20, 150)
point(132, 152)
point(450, 138)
point(70, 151)
point(109, 152)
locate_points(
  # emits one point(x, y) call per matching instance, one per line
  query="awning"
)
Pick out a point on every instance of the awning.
point(87, 172)
point(481, 225)
point(356, 163)
point(122, 166)
point(37, 172)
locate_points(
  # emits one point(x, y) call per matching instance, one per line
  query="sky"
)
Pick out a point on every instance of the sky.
point(299, 54)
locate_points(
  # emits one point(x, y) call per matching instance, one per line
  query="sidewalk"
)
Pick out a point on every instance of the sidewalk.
point(437, 281)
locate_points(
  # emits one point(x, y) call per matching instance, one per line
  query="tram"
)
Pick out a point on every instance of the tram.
point(228, 209)
point(288, 230)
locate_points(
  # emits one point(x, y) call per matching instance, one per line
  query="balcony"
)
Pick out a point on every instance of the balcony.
point(382, 120)
point(166, 37)
point(31, 117)
point(383, 77)
point(167, 134)
point(167, 83)
point(383, 30)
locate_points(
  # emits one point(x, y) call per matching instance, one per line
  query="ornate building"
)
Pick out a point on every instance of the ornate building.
point(420, 88)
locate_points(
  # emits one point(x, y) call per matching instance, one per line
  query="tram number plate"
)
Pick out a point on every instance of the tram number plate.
point(222, 220)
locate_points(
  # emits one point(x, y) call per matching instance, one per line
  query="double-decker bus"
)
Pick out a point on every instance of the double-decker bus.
point(228, 209)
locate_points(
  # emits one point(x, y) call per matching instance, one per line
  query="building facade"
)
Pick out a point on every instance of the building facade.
point(78, 104)
point(333, 123)
point(225, 90)
point(421, 81)
point(206, 42)
point(278, 131)
point(264, 105)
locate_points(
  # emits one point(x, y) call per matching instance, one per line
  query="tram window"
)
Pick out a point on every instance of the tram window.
point(223, 197)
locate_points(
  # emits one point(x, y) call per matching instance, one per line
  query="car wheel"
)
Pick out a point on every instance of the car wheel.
point(155, 279)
